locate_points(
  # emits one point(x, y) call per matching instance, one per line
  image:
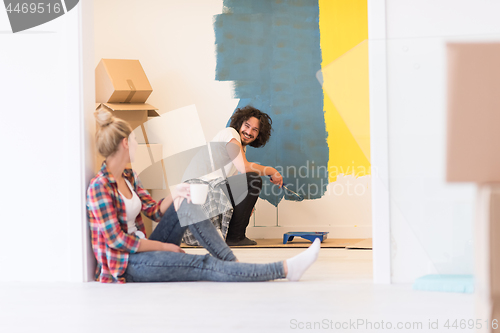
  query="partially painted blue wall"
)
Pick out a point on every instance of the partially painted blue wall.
point(271, 50)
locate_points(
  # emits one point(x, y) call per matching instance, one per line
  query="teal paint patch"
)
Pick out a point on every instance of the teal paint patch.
point(271, 50)
point(445, 283)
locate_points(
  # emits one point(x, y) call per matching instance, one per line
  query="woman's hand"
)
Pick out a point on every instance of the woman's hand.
point(146, 245)
point(177, 195)
point(168, 247)
point(182, 191)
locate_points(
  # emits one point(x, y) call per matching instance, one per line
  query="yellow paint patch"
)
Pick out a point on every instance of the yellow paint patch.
point(347, 86)
point(343, 26)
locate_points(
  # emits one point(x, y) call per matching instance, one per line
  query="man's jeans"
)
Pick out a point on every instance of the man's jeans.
point(219, 265)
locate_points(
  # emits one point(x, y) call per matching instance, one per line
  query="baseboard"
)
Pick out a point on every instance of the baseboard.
point(334, 231)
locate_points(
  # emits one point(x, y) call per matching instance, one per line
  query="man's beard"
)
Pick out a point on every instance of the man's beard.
point(243, 143)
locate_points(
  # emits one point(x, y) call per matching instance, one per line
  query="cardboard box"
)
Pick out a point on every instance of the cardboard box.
point(473, 112)
point(153, 177)
point(148, 165)
point(494, 249)
point(157, 195)
point(121, 81)
point(149, 225)
point(122, 88)
point(135, 114)
point(145, 156)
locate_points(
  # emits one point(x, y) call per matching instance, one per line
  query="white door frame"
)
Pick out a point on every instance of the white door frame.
point(379, 142)
point(378, 138)
point(87, 130)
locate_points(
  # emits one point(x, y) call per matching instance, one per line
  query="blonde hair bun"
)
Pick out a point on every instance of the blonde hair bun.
point(103, 117)
point(110, 131)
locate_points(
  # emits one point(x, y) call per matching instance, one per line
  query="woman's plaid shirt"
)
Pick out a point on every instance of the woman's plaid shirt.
point(108, 223)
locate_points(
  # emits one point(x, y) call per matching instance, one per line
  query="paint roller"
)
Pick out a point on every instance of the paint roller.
point(293, 194)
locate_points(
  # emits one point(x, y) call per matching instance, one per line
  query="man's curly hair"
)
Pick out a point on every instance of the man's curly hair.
point(243, 114)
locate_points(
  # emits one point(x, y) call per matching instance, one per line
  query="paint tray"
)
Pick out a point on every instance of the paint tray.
point(311, 236)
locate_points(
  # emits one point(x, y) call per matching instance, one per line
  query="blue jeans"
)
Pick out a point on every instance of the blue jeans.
point(219, 265)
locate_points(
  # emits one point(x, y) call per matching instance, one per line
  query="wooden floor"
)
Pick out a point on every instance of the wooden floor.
point(347, 243)
point(336, 290)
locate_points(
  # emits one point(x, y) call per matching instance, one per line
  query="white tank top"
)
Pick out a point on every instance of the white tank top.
point(133, 209)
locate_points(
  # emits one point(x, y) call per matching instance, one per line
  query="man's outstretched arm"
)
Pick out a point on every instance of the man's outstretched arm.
point(235, 151)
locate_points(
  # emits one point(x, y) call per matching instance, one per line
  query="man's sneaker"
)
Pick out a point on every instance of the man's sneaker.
point(244, 242)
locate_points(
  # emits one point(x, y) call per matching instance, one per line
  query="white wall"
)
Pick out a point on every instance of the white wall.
point(174, 40)
point(344, 211)
point(42, 131)
point(377, 55)
point(431, 221)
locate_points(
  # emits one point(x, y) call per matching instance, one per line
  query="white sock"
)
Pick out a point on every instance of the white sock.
point(300, 263)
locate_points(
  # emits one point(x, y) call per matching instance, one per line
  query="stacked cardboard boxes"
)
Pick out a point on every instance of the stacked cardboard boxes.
point(123, 88)
point(473, 139)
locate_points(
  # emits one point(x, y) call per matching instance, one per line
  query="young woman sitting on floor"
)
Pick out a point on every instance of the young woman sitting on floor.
point(115, 199)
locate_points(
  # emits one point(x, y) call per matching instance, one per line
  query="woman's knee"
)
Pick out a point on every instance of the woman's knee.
point(190, 213)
